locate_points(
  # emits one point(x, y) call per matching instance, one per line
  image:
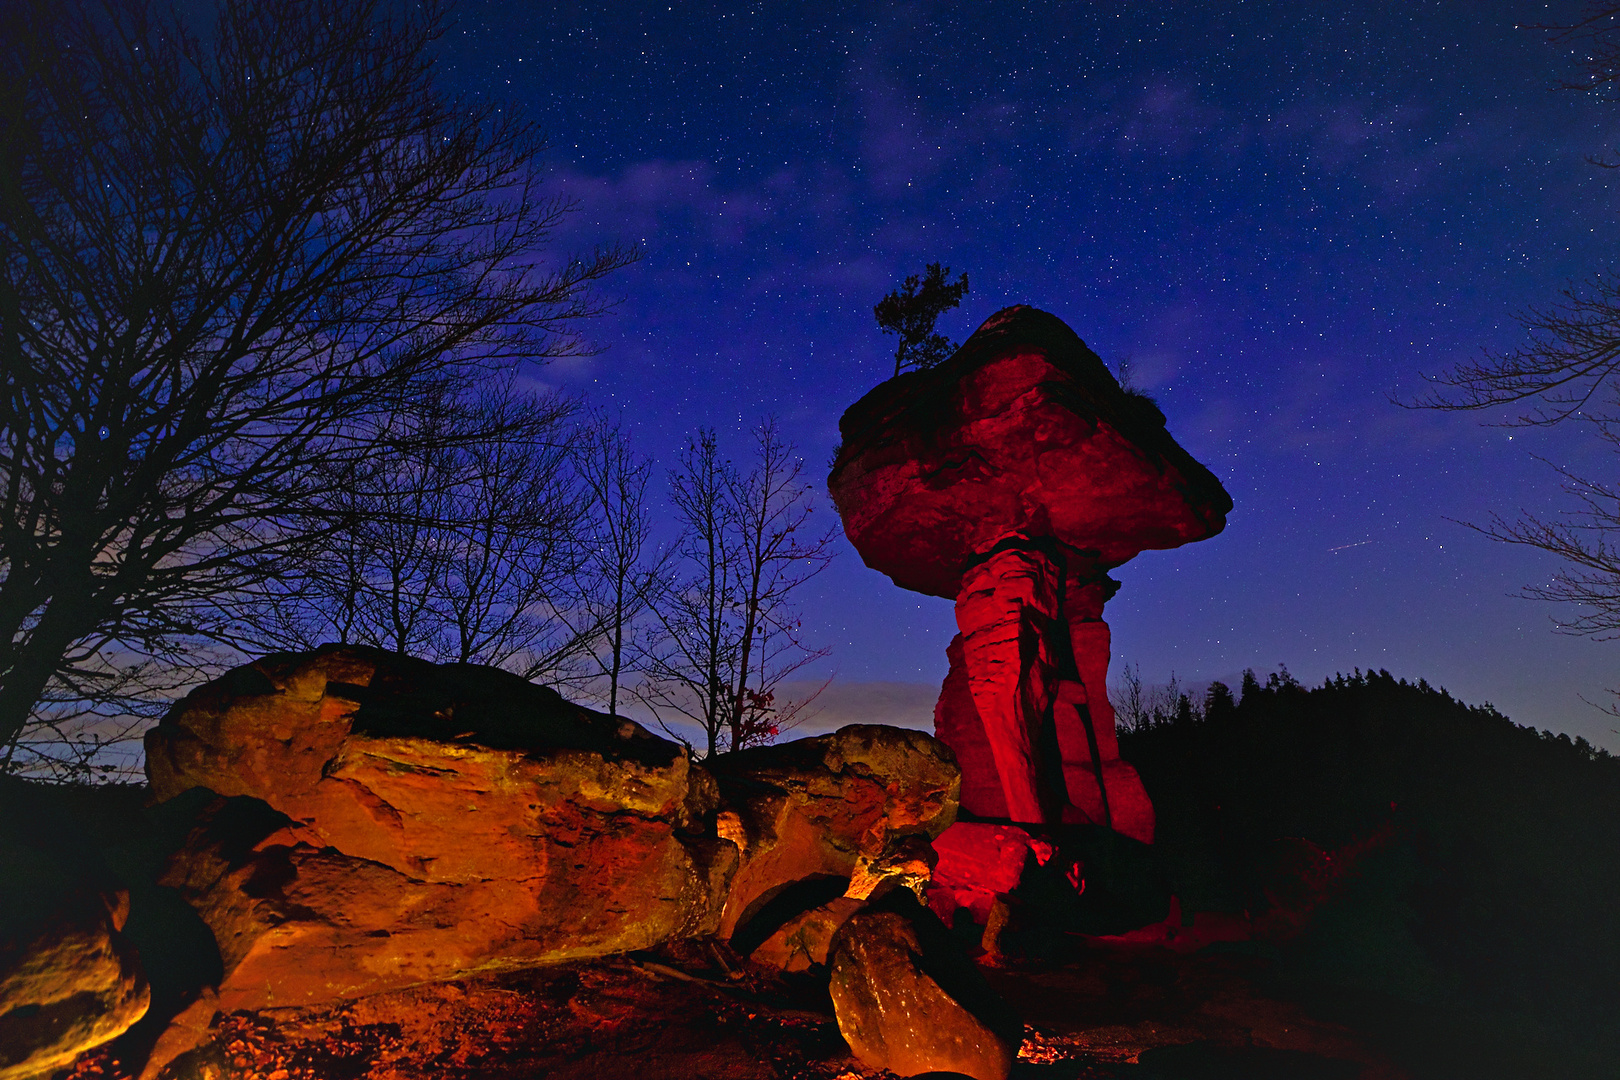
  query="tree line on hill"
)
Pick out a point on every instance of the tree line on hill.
point(1478, 860)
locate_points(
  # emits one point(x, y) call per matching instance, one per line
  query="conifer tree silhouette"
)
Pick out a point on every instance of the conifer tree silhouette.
point(911, 311)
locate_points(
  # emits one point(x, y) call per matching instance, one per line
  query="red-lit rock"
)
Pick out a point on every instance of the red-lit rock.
point(979, 863)
point(1022, 431)
point(444, 820)
point(1011, 478)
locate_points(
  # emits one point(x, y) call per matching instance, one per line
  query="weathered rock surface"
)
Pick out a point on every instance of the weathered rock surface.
point(1011, 478)
point(1022, 431)
point(68, 979)
point(980, 863)
point(414, 822)
point(853, 808)
point(908, 1001)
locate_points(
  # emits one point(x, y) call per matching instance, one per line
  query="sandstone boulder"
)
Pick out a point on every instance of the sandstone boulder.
point(1022, 431)
point(69, 981)
point(853, 808)
point(908, 1001)
point(392, 821)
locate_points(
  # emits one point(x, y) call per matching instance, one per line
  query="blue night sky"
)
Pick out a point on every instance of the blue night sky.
point(1280, 214)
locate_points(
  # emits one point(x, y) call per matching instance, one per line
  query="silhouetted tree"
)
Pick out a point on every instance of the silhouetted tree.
point(227, 273)
point(1218, 701)
point(1131, 699)
point(780, 549)
point(1139, 707)
point(624, 574)
point(1569, 370)
point(688, 673)
point(731, 636)
point(473, 545)
point(911, 311)
point(1250, 684)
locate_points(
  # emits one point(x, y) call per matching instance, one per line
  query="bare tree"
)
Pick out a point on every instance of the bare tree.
point(778, 550)
point(1140, 707)
point(226, 272)
point(688, 673)
point(625, 571)
point(1568, 370)
point(470, 547)
point(731, 635)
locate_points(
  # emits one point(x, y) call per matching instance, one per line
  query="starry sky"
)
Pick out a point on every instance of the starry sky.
point(1282, 215)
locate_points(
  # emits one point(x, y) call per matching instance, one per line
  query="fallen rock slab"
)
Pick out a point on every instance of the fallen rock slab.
point(908, 1001)
point(855, 807)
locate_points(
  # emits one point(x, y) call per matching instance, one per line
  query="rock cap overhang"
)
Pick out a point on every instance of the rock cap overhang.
point(1022, 432)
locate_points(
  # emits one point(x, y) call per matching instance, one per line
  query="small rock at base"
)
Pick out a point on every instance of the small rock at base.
point(907, 1000)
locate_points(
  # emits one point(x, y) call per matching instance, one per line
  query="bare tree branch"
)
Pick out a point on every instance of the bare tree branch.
point(730, 634)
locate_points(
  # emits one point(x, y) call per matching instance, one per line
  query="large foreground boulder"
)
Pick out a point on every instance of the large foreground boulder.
point(907, 999)
point(392, 821)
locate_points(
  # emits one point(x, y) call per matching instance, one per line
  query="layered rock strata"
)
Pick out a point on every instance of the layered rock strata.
point(421, 822)
point(1011, 479)
point(853, 809)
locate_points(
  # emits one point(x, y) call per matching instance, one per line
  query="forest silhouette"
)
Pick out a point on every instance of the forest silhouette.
point(1458, 869)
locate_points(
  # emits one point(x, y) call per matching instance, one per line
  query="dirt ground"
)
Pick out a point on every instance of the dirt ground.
point(1138, 1015)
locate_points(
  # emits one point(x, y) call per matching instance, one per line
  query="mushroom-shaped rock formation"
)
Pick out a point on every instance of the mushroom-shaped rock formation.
point(1011, 478)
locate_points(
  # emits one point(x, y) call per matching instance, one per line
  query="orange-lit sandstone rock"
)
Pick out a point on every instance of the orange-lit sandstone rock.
point(385, 822)
point(908, 1001)
point(68, 979)
point(1011, 478)
point(854, 806)
point(439, 820)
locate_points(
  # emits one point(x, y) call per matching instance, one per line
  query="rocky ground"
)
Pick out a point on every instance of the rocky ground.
point(681, 1016)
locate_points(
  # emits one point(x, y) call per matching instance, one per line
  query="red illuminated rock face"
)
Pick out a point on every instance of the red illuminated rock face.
point(1011, 478)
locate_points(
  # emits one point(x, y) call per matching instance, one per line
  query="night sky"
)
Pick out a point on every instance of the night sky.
point(1281, 214)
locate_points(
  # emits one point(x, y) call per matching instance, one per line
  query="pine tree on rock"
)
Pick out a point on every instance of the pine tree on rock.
point(911, 311)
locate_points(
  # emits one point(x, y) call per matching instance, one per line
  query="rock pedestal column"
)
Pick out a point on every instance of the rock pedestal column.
point(1006, 612)
point(1025, 705)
